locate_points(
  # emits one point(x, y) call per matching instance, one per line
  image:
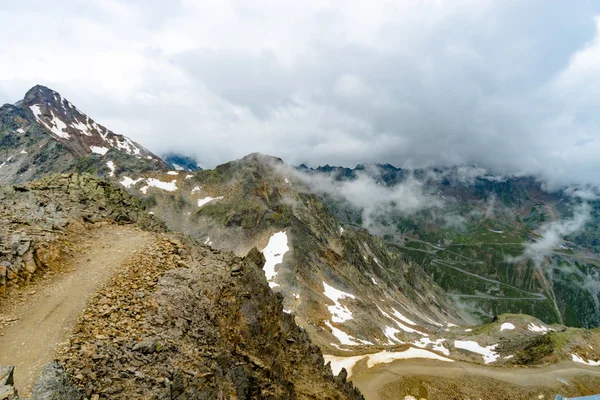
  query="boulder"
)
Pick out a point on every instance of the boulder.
point(8, 392)
point(53, 383)
point(7, 389)
point(6, 375)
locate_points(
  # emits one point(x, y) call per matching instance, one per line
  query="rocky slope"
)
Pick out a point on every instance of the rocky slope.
point(188, 322)
point(345, 286)
point(44, 133)
point(359, 297)
point(471, 230)
point(34, 218)
point(180, 321)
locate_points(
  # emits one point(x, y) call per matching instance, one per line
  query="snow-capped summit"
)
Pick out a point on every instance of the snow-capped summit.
point(45, 133)
point(81, 134)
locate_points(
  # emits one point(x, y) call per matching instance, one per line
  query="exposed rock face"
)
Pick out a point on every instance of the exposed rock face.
point(54, 383)
point(33, 218)
point(7, 388)
point(180, 321)
point(44, 134)
point(188, 322)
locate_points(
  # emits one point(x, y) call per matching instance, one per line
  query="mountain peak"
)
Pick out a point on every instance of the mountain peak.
point(41, 93)
point(75, 130)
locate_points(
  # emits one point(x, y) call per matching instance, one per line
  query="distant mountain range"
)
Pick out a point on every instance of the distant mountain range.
point(180, 162)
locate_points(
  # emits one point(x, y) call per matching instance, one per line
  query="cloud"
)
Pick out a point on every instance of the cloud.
point(372, 198)
point(586, 193)
point(552, 234)
point(511, 87)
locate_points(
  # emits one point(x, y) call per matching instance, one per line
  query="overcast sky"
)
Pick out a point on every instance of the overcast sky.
point(513, 86)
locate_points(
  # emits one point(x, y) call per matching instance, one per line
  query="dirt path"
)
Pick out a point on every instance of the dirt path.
point(51, 312)
point(371, 381)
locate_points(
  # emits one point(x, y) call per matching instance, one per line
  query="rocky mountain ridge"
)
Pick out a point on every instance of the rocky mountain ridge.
point(34, 216)
point(356, 295)
point(248, 203)
point(181, 320)
point(44, 134)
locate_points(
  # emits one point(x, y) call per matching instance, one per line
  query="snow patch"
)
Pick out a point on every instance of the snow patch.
point(178, 167)
point(205, 200)
point(488, 353)
point(401, 325)
point(401, 317)
point(128, 182)
point(581, 360)
point(172, 173)
point(433, 322)
point(188, 176)
point(99, 150)
point(507, 326)
point(537, 328)
point(337, 363)
point(168, 186)
point(111, 166)
point(5, 162)
point(56, 125)
point(83, 128)
point(436, 345)
point(342, 336)
point(126, 145)
point(274, 252)
point(390, 333)
point(386, 357)
point(339, 313)
point(23, 151)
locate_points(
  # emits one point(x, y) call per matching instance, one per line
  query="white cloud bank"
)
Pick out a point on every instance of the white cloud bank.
point(552, 234)
point(510, 86)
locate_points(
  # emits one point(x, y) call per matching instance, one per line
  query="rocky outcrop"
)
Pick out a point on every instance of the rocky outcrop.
point(7, 388)
point(53, 383)
point(34, 219)
point(184, 321)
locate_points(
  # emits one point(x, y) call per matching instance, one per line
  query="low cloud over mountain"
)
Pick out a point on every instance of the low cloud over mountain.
point(509, 86)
